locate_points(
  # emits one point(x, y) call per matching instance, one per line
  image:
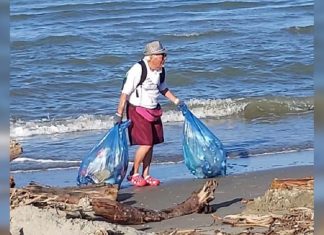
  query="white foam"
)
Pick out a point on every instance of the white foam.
point(216, 107)
point(207, 108)
point(49, 169)
point(194, 34)
point(41, 127)
point(202, 108)
point(25, 159)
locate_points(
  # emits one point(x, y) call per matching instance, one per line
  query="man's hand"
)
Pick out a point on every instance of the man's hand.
point(180, 104)
point(118, 118)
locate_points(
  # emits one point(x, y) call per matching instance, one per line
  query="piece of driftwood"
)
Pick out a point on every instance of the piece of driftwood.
point(173, 231)
point(116, 212)
point(301, 183)
point(15, 149)
point(291, 220)
point(249, 220)
point(296, 221)
point(93, 201)
point(43, 196)
point(12, 183)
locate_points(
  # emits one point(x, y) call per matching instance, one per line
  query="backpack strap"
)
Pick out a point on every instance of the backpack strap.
point(162, 75)
point(144, 72)
point(144, 75)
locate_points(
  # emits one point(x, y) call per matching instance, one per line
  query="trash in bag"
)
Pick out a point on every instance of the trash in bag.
point(203, 152)
point(108, 161)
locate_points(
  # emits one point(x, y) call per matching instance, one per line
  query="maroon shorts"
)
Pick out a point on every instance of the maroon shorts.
point(141, 131)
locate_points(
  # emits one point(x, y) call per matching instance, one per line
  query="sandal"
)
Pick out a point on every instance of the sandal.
point(138, 180)
point(152, 181)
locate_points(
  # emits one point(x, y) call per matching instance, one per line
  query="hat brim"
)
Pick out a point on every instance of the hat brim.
point(162, 51)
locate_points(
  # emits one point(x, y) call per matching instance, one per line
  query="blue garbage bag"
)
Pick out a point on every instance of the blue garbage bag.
point(108, 161)
point(203, 152)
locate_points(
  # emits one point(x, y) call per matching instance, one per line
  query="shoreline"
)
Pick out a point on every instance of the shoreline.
point(247, 178)
point(228, 196)
point(170, 172)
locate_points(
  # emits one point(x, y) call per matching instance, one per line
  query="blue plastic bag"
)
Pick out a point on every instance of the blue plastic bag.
point(203, 152)
point(108, 161)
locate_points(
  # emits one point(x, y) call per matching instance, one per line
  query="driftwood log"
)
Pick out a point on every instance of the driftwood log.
point(124, 214)
point(300, 183)
point(15, 149)
point(94, 202)
point(67, 197)
point(12, 182)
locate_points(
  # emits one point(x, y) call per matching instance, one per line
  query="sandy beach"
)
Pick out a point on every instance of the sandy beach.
point(228, 200)
point(244, 68)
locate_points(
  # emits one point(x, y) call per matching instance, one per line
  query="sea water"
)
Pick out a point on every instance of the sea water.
point(245, 68)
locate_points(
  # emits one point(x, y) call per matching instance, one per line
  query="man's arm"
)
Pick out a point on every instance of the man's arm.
point(122, 104)
point(168, 94)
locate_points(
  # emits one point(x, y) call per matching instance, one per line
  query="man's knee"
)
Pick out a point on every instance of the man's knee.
point(147, 147)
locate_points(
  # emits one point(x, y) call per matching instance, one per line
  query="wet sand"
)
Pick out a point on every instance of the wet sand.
point(177, 185)
point(228, 195)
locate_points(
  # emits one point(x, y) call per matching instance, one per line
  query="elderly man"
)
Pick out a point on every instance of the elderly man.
point(143, 84)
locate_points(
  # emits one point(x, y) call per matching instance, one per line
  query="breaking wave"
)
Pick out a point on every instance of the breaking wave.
point(244, 108)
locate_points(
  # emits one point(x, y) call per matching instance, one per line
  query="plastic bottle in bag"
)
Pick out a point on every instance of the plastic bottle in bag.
point(107, 161)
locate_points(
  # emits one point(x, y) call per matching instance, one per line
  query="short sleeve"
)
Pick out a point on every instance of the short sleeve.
point(163, 86)
point(133, 77)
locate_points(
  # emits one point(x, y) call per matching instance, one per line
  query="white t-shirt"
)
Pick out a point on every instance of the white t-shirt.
point(150, 89)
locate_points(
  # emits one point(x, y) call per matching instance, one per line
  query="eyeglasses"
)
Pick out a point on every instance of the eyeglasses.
point(164, 55)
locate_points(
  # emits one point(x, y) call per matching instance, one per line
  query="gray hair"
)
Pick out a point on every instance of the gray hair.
point(147, 58)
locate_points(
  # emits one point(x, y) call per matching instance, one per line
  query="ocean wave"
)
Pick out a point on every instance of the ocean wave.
point(303, 6)
point(20, 128)
point(196, 35)
point(21, 17)
point(223, 5)
point(277, 106)
point(32, 164)
point(297, 68)
point(246, 108)
point(108, 59)
point(37, 170)
point(309, 29)
point(50, 7)
point(50, 40)
point(26, 159)
point(245, 153)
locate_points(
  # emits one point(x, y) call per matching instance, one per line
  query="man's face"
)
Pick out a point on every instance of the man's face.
point(157, 61)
